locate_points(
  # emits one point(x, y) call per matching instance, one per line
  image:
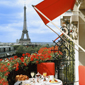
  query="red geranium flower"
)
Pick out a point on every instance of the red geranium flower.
point(17, 69)
point(15, 57)
point(27, 54)
point(31, 58)
point(11, 58)
point(17, 64)
point(37, 62)
point(37, 57)
point(25, 64)
point(5, 69)
point(23, 55)
point(0, 59)
point(8, 64)
point(6, 74)
point(22, 59)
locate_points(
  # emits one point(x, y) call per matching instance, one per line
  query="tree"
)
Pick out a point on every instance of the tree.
point(20, 50)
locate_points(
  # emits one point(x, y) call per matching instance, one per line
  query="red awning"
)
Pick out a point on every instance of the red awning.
point(54, 8)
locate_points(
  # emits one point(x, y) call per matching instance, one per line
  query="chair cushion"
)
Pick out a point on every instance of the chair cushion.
point(48, 67)
point(81, 75)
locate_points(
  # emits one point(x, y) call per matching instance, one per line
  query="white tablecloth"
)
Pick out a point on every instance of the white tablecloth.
point(41, 82)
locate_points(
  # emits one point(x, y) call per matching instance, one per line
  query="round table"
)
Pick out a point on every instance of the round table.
point(41, 82)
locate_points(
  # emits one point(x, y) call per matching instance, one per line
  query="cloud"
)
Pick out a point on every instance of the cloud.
point(9, 34)
point(9, 29)
point(12, 25)
point(17, 3)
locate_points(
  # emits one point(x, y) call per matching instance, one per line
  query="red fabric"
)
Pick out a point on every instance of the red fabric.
point(54, 8)
point(48, 67)
point(81, 75)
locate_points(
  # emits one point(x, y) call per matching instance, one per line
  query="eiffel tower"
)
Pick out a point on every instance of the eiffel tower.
point(25, 31)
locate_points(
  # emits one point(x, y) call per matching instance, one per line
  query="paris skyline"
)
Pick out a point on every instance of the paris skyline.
point(12, 17)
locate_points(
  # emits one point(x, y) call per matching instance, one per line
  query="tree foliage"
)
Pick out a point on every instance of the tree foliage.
point(28, 49)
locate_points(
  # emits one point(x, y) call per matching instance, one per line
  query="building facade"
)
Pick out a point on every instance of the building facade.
point(76, 18)
point(6, 51)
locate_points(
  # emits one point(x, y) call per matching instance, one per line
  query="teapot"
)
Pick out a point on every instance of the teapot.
point(38, 75)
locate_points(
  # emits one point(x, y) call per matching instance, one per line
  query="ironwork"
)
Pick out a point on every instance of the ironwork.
point(64, 66)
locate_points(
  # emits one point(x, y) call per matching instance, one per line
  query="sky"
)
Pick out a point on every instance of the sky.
point(12, 17)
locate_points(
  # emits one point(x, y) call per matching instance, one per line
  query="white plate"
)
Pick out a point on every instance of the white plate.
point(55, 82)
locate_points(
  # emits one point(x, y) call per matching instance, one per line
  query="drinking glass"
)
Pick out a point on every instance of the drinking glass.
point(44, 75)
point(32, 74)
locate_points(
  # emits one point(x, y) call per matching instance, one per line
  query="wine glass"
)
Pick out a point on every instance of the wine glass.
point(44, 75)
point(32, 74)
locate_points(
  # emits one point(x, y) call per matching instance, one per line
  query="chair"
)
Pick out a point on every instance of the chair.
point(81, 75)
point(48, 67)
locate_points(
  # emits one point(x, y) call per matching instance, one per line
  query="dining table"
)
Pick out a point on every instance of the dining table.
point(34, 81)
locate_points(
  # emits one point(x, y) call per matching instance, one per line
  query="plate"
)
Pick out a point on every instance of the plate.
point(54, 82)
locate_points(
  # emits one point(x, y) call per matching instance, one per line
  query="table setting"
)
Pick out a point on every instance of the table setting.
point(37, 79)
